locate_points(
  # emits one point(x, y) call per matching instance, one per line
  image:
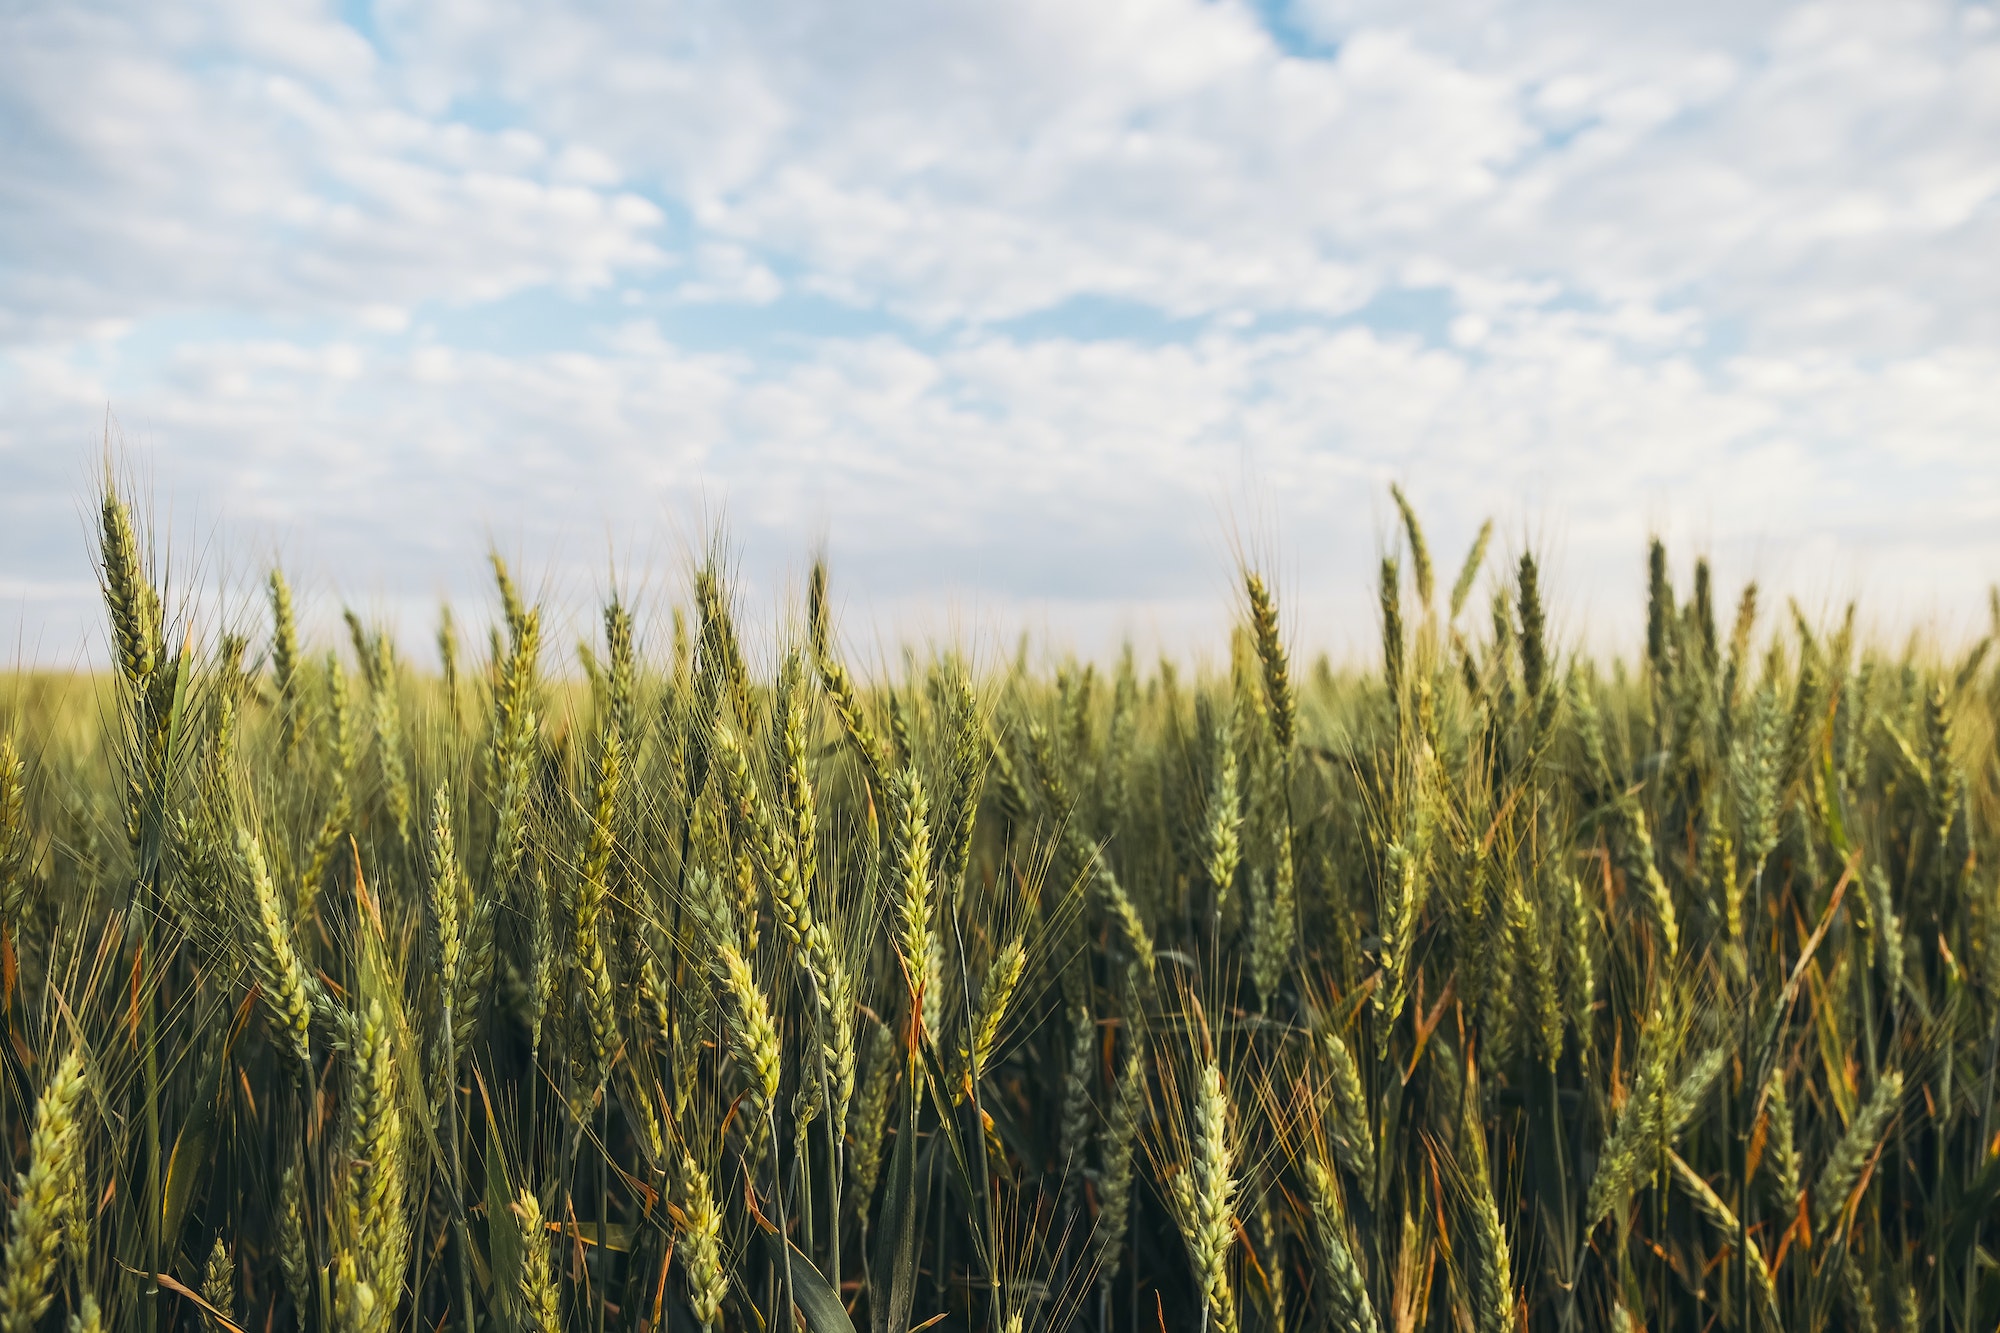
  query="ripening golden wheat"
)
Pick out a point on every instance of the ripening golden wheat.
point(1490, 990)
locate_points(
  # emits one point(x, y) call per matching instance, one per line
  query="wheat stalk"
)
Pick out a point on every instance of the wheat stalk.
point(1719, 1216)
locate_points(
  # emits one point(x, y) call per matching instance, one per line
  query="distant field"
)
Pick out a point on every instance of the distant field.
point(1488, 989)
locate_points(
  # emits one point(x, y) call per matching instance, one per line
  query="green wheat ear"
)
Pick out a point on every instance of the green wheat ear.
point(1204, 1195)
point(588, 923)
point(15, 836)
point(1117, 1160)
point(1225, 817)
point(1003, 974)
point(1393, 646)
point(1354, 1140)
point(128, 596)
point(1420, 551)
point(294, 1256)
point(538, 1293)
point(1843, 1166)
point(44, 1197)
point(291, 993)
point(370, 1268)
point(88, 1318)
point(284, 659)
point(701, 1235)
point(1629, 1152)
point(1468, 573)
point(871, 1119)
point(1493, 1304)
point(753, 1039)
point(218, 1285)
point(913, 897)
point(1347, 1290)
point(1275, 662)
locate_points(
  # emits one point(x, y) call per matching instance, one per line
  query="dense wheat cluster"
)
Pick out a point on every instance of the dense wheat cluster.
point(712, 988)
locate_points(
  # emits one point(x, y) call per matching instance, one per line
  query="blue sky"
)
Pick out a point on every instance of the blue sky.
point(1033, 312)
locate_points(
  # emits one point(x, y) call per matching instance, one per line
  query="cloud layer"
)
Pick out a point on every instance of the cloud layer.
point(1026, 309)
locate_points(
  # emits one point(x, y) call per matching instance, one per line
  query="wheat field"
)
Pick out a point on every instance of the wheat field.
point(1489, 988)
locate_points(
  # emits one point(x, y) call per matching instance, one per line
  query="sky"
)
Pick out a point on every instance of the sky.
point(1030, 313)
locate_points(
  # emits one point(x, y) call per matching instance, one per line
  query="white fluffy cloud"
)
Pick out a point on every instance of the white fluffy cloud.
point(255, 159)
point(1031, 309)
